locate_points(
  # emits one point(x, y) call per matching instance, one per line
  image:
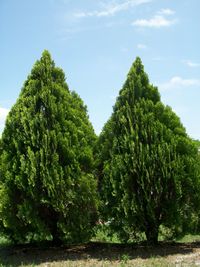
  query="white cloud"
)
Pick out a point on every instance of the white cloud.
point(3, 115)
point(141, 46)
point(177, 82)
point(157, 21)
point(166, 11)
point(191, 64)
point(111, 9)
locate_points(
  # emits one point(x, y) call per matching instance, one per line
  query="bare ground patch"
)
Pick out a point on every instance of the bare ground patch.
point(102, 254)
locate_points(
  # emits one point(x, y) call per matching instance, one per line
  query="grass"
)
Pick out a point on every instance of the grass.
point(108, 252)
point(189, 239)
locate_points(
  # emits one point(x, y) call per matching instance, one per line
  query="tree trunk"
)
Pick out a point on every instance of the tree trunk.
point(55, 234)
point(54, 227)
point(152, 234)
point(50, 218)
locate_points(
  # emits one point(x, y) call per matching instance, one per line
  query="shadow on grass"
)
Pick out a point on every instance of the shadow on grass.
point(45, 252)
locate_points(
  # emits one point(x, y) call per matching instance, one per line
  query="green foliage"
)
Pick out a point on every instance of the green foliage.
point(47, 186)
point(104, 234)
point(146, 164)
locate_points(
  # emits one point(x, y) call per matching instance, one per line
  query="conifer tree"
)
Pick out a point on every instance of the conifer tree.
point(47, 187)
point(146, 163)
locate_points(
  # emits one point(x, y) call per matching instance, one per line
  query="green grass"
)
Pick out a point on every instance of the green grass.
point(108, 252)
point(189, 239)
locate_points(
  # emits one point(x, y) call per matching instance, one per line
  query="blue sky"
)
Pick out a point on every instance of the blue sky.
point(95, 43)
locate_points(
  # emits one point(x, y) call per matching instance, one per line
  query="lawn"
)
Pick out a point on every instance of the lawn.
point(105, 254)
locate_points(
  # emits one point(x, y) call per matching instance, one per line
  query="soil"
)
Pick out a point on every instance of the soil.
point(102, 254)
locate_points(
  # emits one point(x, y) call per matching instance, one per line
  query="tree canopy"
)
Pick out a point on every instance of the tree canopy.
point(47, 186)
point(146, 166)
point(146, 163)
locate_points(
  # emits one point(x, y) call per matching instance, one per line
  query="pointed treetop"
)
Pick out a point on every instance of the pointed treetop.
point(137, 86)
point(46, 53)
point(46, 58)
point(137, 66)
point(44, 72)
point(44, 66)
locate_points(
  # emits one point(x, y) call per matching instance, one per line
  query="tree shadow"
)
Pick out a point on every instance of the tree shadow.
point(45, 252)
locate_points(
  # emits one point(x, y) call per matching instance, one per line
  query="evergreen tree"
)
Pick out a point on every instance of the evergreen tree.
point(146, 163)
point(47, 187)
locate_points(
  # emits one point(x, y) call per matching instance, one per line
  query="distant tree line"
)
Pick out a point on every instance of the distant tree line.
point(57, 178)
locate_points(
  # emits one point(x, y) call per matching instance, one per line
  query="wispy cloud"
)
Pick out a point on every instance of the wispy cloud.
point(111, 9)
point(159, 20)
point(191, 64)
point(166, 11)
point(141, 46)
point(177, 82)
point(3, 115)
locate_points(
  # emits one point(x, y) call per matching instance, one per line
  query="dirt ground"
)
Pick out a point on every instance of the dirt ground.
point(102, 254)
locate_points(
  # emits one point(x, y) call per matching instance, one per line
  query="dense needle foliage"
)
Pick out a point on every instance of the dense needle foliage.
point(47, 187)
point(146, 164)
point(148, 169)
